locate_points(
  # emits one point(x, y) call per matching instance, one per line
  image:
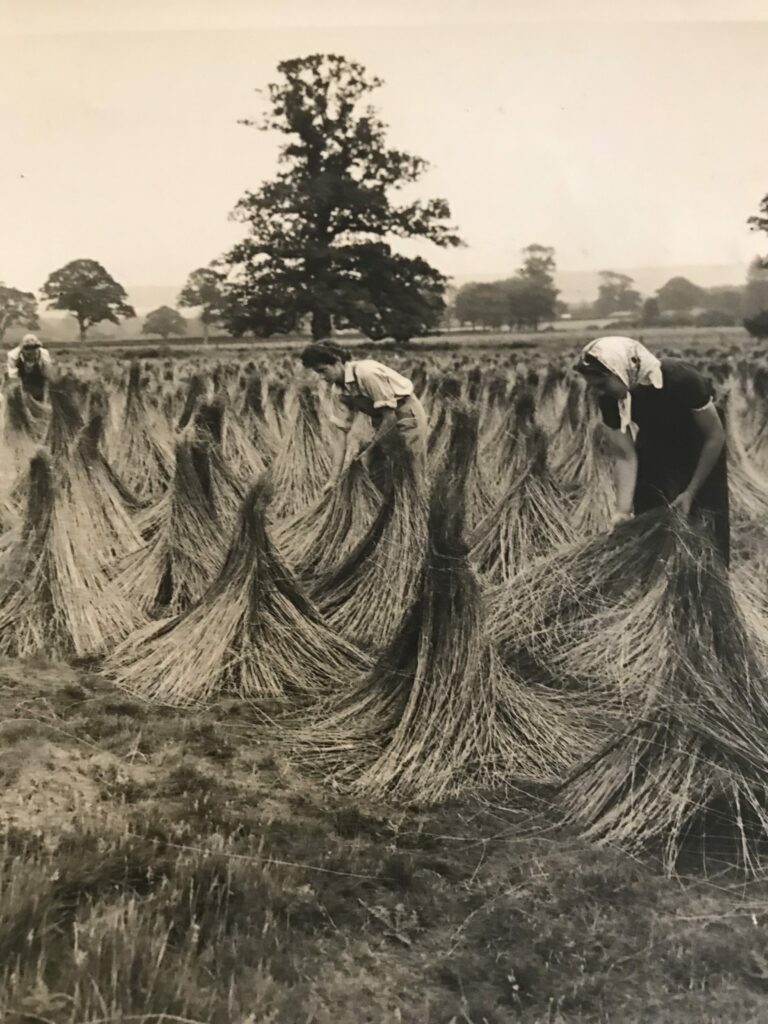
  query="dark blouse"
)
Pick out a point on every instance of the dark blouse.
point(669, 444)
point(33, 377)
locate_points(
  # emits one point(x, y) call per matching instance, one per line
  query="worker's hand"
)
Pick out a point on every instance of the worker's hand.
point(683, 503)
point(620, 517)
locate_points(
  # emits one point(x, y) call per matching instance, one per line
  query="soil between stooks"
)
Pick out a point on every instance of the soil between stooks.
point(167, 862)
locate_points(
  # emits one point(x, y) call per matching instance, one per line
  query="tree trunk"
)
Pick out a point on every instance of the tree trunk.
point(205, 332)
point(321, 324)
point(83, 329)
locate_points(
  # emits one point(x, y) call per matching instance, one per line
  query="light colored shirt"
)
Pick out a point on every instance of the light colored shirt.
point(368, 386)
point(12, 363)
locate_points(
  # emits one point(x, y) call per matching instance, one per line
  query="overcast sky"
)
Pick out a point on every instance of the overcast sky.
point(622, 143)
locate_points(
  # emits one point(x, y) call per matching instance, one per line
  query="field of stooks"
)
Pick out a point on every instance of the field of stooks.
point(385, 753)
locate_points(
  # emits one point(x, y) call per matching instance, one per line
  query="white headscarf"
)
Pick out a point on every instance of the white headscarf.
point(633, 364)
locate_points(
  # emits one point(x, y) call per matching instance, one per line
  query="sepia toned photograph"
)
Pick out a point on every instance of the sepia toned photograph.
point(384, 512)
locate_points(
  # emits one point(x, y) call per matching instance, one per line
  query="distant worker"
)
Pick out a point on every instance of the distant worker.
point(382, 394)
point(29, 364)
point(666, 432)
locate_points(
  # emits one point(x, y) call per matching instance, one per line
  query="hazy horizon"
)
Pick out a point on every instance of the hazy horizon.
point(622, 144)
point(575, 286)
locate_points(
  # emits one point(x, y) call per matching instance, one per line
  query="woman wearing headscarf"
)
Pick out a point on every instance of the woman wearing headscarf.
point(667, 434)
point(29, 364)
point(382, 394)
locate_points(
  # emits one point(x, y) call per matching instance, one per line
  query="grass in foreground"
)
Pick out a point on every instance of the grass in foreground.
point(159, 865)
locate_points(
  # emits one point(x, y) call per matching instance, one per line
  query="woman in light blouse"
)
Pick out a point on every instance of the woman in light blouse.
point(369, 387)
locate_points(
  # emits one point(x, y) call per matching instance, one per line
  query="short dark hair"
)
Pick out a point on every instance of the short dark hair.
point(324, 353)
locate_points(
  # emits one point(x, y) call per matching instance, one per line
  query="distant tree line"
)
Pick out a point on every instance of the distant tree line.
point(521, 302)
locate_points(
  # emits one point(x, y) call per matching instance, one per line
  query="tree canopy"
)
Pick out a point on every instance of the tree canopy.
point(679, 295)
point(615, 294)
point(206, 289)
point(165, 322)
point(755, 303)
point(521, 302)
point(651, 313)
point(760, 220)
point(85, 289)
point(319, 235)
point(756, 299)
point(17, 308)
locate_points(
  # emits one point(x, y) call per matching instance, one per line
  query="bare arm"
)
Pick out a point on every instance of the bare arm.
point(624, 469)
point(711, 429)
point(709, 426)
point(378, 387)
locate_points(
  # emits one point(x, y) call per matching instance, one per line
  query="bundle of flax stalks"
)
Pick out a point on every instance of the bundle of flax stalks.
point(143, 456)
point(91, 445)
point(241, 449)
point(255, 423)
point(66, 419)
point(186, 544)
point(302, 465)
point(593, 505)
point(316, 541)
point(552, 398)
point(506, 453)
point(275, 412)
point(64, 424)
point(585, 618)
point(26, 423)
point(755, 419)
point(197, 392)
point(585, 470)
point(254, 633)
point(530, 521)
point(364, 596)
point(54, 597)
point(439, 713)
point(692, 737)
point(100, 499)
point(211, 429)
point(747, 486)
point(568, 432)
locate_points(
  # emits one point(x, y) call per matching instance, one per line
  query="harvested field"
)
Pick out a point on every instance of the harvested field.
point(271, 754)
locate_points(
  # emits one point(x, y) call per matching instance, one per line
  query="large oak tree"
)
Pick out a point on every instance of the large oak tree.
point(320, 235)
